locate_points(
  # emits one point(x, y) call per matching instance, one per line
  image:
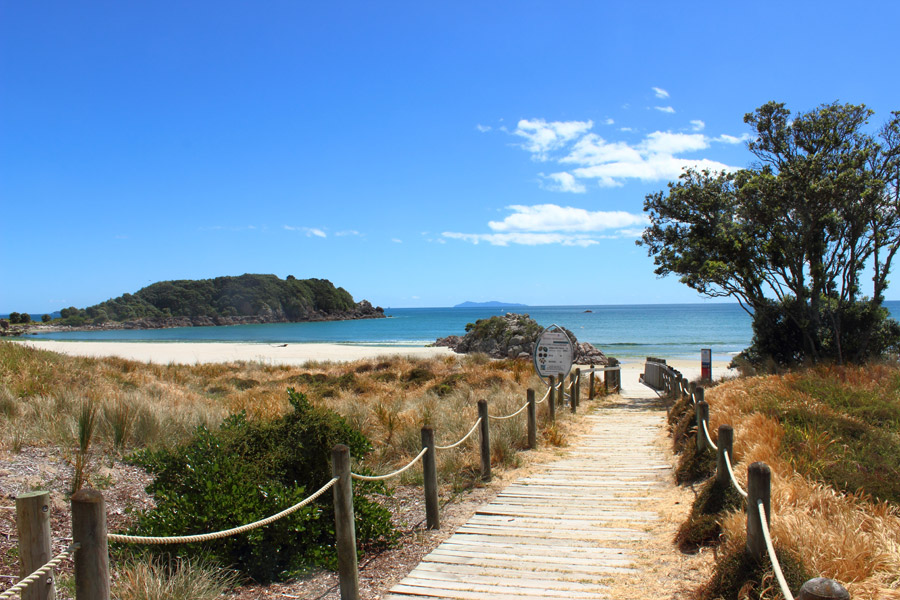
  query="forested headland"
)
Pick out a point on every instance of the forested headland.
point(249, 298)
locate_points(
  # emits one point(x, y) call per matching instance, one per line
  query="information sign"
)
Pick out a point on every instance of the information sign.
point(553, 352)
point(706, 364)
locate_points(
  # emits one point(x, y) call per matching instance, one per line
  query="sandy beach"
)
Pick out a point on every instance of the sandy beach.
point(295, 354)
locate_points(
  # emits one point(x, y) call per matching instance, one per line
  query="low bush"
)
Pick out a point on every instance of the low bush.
point(248, 470)
point(703, 526)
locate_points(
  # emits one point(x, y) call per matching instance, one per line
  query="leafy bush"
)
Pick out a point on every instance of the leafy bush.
point(248, 470)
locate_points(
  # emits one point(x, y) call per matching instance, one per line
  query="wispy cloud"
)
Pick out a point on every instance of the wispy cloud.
point(308, 231)
point(660, 93)
point(346, 232)
point(665, 109)
point(397, 240)
point(585, 155)
point(542, 137)
point(546, 224)
point(562, 182)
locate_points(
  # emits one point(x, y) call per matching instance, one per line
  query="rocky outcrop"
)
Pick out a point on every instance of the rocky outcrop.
point(513, 336)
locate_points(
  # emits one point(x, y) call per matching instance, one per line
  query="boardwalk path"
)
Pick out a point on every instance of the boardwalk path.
point(564, 531)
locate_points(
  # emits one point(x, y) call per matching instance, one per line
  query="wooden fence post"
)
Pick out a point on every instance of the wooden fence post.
point(561, 397)
point(605, 380)
point(759, 488)
point(344, 527)
point(532, 420)
point(33, 526)
point(591, 384)
point(702, 417)
point(551, 404)
point(429, 475)
point(619, 378)
point(92, 555)
point(576, 389)
point(485, 440)
point(725, 444)
point(821, 588)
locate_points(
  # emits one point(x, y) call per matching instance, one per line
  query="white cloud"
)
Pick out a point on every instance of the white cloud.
point(309, 231)
point(546, 224)
point(730, 139)
point(698, 125)
point(483, 128)
point(541, 137)
point(346, 232)
point(523, 239)
point(397, 240)
point(666, 142)
point(555, 218)
point(609, 122)
point(660, 93)
point(665, 109)
point(562, 182)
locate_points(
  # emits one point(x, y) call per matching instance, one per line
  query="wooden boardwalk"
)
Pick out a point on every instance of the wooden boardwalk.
point(564, 531)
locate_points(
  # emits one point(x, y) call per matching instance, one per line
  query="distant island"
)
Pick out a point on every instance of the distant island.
point(244, 299)
point(491, 304)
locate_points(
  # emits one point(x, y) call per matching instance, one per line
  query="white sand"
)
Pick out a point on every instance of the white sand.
point(222, 352)
point(295, 354)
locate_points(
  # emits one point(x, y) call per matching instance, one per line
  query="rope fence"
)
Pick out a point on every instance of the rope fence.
point(41, 572)
point(203, 537)
point(91, 539)
point(390, 475)
point(661, 377)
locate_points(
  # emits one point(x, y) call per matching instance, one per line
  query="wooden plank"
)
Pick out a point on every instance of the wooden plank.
point(521, 581)
point(539, 549)
point(570, 574)
point(523, 559)
point(492, 562)
point(469, 595)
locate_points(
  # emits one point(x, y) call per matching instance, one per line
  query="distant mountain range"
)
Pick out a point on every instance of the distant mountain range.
point(491, 304)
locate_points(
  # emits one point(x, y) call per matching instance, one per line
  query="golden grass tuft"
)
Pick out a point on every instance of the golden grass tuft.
point(843, 536)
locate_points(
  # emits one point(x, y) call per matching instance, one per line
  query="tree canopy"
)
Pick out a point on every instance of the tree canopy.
point(791, 236)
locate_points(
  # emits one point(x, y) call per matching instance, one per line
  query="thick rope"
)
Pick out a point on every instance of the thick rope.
point(186, 539)
point(44, 570)
point(785, 590)
point(547, 395)
point(465, 437)
point(389, 475)
point(518, 412)
point(708, 438)
point(734, 480)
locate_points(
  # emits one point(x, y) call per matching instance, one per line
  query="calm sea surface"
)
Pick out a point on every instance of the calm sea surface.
point(633, 331)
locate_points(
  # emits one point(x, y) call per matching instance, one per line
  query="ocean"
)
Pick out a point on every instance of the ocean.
point(627, 332)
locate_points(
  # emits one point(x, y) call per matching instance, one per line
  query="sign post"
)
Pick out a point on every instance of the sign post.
point(553, 352)
point(706, 364)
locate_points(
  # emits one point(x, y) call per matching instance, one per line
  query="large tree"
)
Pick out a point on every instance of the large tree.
point(791, 236)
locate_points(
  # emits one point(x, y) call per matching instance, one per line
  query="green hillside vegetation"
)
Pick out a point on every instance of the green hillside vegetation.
point(268, 296)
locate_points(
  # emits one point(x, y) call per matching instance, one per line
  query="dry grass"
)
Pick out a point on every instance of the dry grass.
point(144, 405)
point(836, 534)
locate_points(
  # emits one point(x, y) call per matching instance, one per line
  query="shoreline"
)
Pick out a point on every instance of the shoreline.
point(294, 353)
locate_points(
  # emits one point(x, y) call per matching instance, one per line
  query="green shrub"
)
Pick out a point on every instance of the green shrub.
point(703, 525)
point(249, 470)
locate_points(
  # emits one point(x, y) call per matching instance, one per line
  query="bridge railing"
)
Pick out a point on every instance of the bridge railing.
point(663, 378)
point(90, 552)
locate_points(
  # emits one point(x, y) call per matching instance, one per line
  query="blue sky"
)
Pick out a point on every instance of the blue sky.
point(415, 153)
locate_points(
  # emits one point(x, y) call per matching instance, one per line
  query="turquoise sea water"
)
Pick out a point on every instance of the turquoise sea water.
point(627, 332)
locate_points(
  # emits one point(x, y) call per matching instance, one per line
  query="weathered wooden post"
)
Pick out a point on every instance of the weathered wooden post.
point(591, 384)
point(33, 526)
point(821, 588)
point(759, 489)
point(532, 420)
point(606, 379)
point(702, 417)
point(344, 527)
point(725, 444)
point(485, 440)
point(576, 389)
point(551, 405)
point(92, 555)
point(429, 475)
point(618, 378)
